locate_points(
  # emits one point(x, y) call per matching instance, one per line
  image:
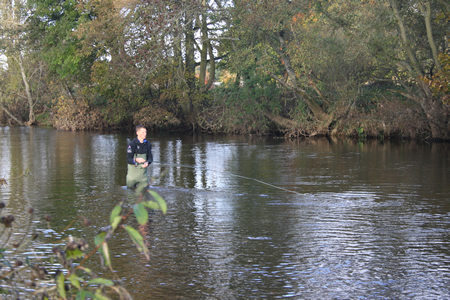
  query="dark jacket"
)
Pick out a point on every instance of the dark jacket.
point(136, 147)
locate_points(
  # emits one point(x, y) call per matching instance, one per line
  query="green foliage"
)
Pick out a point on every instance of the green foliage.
point(361, 134)
point(128, 62)
point(370, 94)
point(439, 83)
point(72, 280)
point(240, 108)
point(137, 239)
point(156, 118)
point(382, 117)
point(159, 202)
point(52, 27)
point(43, 119)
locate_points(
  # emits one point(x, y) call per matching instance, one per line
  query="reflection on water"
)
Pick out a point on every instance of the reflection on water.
point(252, 218)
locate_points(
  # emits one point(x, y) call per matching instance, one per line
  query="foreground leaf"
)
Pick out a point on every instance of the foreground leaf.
point(75, 280)
point(99, 295)
point(141, 213)
point(161, 202)
point(100, 238)
point(100, 281)
point(115, 213)
point(82, 295)
point(103, 249)
point(138, 240)
point(59, 278)
point(74, 254)
point(151, 205)
point(115, 222)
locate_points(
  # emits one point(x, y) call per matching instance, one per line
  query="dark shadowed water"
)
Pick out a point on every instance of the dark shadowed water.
point(251, 217)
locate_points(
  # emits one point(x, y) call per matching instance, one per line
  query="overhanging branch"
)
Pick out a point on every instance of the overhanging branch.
point(11, 115)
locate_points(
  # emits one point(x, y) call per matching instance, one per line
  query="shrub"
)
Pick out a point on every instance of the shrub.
point(20, 276)
point(72, 114)
point(156, 118)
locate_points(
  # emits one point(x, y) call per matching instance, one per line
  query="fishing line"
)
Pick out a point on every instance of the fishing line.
point(235, 175)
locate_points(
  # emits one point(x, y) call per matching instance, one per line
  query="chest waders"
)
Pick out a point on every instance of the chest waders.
point(136, 173)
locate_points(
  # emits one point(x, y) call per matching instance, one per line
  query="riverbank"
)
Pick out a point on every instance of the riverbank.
point(379, 119)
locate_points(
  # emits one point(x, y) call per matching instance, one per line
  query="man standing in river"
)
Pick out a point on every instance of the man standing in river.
point(139, 157)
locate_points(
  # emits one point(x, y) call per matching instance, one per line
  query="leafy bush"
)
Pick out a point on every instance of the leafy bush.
point(394, 118)
point(156, 118)
point(240, 108)
point(21, 277)
point(72, 114)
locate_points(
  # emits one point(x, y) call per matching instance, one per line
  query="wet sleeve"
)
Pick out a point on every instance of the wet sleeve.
point(130, 155)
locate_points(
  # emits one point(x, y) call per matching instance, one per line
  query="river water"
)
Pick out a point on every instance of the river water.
point(249, 217)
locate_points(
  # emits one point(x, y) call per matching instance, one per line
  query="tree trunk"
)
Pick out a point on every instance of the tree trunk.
point(189, 63)
point(203, 54)
point(318, 111)
point(427, 15)
point(411, 56)
point(189, 44)
point(11, 115)
point(212, 67)
point(438, 114)
point(281, 121)
point(31, 116)
point(293, 127)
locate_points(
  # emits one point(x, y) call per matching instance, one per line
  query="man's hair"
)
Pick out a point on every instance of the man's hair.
point(139, 127)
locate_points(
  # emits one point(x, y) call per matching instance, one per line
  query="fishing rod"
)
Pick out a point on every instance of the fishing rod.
point(235, 175)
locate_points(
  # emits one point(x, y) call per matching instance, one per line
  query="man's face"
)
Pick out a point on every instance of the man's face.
point(141, 134)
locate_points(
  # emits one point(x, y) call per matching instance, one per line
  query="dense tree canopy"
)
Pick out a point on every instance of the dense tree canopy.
point(346, 67)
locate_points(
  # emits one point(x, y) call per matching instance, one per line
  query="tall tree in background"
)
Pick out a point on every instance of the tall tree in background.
point(422, 28)
point(52, 28)
point(325, 51)
point(188, 33)
point(53, 25)
point(294, 64)
point(16, 84)
point(277, 37)
point(403, 40)
point(145, 55)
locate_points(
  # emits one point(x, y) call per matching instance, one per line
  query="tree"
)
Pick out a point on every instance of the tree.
point(324, 52)
point(422, 31)
point(19, 60)
point(298, 66)
point(153, 47)
point(269, 36)
point(404, 39)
